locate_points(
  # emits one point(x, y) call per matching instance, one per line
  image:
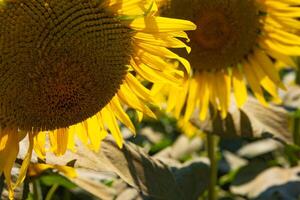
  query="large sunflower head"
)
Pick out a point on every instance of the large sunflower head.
point(61, 68)
point(236, 40)
point(67, 66)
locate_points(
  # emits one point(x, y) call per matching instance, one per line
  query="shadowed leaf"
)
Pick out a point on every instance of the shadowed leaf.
point(252, 120)
point(149, 175)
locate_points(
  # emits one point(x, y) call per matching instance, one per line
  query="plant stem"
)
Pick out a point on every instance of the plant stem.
point(296, 130)
point(26, 189)
point(2, 178)
point(51, 192)
point(211, 150)
point(37, 191)
point(296, 121)
point(298, 71)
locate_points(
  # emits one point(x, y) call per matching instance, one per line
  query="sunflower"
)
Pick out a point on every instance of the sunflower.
point(68, 66)
point(237, 41)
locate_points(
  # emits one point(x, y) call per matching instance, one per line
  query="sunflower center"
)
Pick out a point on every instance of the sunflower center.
point(227, 30)
point(61, 61)
point(213, 31)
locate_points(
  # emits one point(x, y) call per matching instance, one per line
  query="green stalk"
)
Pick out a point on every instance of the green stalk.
point(298, 71)
point(37, 190)
point(211, 150)
point(296, 121)
point(51, 192)
point(2, 179)
point(26, 189)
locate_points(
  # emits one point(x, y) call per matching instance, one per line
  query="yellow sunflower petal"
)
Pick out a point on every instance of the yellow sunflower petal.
point(36, 169)
point(80, 131)
point(121, 114)
point(191, 99)
point(268, 67)
point(112, 125)
point(203, 96)
point(264, 80)
point(26, 162)
point(180, 96)
point(126, 95)
point(39, 144)
point(254, 83)
point(9, 149)
point(93, 130)
point(153, 24)
point(59, 141)
point(239, 87)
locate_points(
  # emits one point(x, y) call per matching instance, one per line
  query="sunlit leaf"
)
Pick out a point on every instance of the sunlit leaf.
point(272, 183)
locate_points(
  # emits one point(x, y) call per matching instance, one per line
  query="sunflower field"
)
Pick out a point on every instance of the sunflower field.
point(150, 99)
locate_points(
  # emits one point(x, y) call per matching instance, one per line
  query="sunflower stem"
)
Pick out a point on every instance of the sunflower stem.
point(51, 192)
point(211, 150)
point(26, 189)
point(37, 191)
point(298, 71)
point(296, 121)
point(2, 178)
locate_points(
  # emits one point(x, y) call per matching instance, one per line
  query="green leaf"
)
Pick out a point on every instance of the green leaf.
point(52, 179)
point(161, 145)
point(292, 153)
point(30, 197)
point(296, 114)
point(108, 183)
point(228, 178)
